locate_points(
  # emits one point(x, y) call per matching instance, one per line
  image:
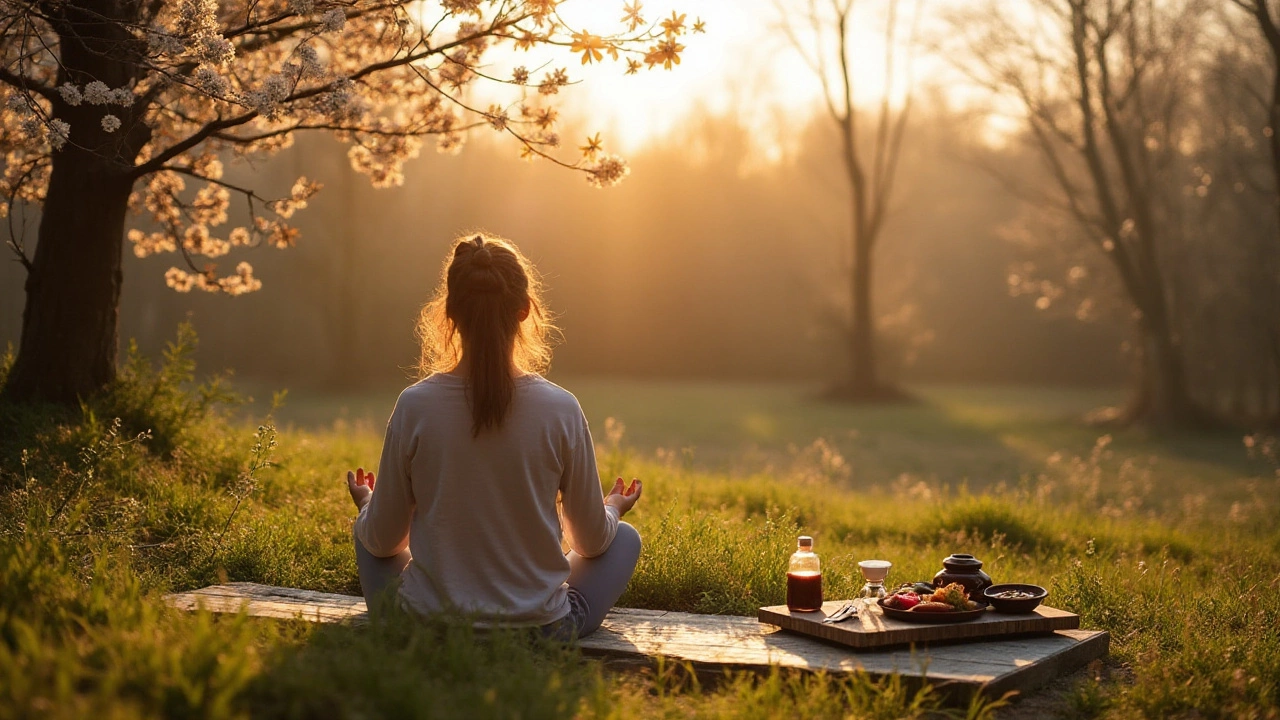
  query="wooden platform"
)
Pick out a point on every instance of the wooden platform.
point(719, 641)
point(870, 628)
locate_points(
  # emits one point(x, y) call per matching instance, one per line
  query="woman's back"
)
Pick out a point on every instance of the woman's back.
point(479, 511)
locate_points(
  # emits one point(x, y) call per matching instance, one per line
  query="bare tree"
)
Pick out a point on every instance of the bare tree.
point(1264, 14)
point(112, 107)
point(1102, 86)
point(870, 145)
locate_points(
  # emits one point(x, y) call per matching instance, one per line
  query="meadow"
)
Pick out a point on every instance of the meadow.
point(1171, 543)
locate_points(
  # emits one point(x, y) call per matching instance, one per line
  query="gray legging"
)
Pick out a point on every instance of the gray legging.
point(600, 579)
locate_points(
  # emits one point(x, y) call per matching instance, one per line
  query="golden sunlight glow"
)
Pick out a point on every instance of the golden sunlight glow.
point(743, 65)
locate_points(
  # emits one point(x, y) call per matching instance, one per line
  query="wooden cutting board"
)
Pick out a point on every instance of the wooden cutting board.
point(871, 629)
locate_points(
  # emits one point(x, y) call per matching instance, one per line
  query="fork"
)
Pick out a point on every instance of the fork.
point(844, 613)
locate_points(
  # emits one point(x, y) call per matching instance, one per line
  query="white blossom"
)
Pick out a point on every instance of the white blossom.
point(198, 17)
point(497, 117)
point(553, 81)
point(215, 50)
point(180, 280)
point(70, 94)
point(59, 133)
point(211, 81)
point(33, 128)
point(163, 43)
point(333, 21)
point(110, 123)
point(97, 93)
point(17, 103)
point(310, 60)
point(122, 96)
point(609, 171)
point(302, 7)
point(458, 7)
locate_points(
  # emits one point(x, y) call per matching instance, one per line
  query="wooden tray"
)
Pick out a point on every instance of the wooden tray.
point(872, 629)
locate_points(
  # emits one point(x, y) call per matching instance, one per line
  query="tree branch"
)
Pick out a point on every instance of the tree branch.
point(25, 83)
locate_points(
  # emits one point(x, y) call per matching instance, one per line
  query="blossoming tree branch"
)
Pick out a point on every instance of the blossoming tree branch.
point(130, 108)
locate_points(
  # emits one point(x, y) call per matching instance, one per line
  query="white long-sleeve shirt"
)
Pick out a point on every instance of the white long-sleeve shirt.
point(479, 514)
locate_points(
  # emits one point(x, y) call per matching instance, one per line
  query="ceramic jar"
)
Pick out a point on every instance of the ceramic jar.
point(966, 570)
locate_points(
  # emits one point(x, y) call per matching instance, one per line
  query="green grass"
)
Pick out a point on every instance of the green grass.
point(1171, 544)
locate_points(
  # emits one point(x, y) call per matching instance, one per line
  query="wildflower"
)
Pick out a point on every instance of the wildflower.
point(97, 93)
point(110, 123)
point(589, 45)
point(699, 26)
point(608, 172)
point(333, 21)
point(59, 133)
point(520, 75)
point(70, 94)
point(633, 66)
point(632, 15)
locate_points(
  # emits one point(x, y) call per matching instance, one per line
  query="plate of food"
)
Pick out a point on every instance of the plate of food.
point(944, 605)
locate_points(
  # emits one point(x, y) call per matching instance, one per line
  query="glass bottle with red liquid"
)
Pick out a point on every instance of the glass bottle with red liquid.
point(804, 578)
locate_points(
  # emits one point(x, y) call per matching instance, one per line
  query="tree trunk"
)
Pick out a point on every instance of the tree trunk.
point(863, 383)
point(69, 324)
point(1163, 399)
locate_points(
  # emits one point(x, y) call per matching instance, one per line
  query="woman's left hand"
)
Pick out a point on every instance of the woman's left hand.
point(360, 484)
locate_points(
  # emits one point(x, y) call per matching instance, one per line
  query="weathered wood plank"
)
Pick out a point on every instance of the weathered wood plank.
point(717, 641)
point(871, 628)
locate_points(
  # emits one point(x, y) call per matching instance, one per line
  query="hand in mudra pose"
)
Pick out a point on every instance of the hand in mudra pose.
point(360, 484)
point(624, 497)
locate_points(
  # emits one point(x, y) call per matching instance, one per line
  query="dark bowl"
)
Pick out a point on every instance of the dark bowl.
point(1016, 607)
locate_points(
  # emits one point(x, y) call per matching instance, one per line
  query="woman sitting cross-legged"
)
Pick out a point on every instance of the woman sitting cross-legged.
point(464, 506)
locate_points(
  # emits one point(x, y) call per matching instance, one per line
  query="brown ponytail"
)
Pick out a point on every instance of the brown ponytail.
point(488, 314)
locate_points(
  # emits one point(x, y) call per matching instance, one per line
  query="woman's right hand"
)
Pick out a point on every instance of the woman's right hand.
point(360, 485)
point(624, 497)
